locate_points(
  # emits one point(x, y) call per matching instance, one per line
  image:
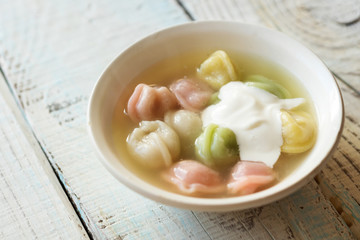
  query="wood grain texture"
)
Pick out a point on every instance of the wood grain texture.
point(329, 28)
point(332, 30)
point(32, 203)
point(340, 179)
point(305, 214)
point(52, 54)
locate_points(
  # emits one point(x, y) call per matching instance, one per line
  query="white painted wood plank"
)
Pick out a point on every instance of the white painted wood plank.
point(330, 28)
point(33, 205)
point(340, 179)
point(322, 27)
point(52, 55)
point(305, 214)
point(53, 75)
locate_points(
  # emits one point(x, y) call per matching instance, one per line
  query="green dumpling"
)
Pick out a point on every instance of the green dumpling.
point(214, 99)
point(267, 85)
point(217, 147)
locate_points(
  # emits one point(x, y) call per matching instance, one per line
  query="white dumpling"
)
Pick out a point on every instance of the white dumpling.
point(154, 144)
point(188, 126)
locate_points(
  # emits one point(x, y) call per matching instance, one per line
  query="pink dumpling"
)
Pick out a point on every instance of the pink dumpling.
point(191, 177)
point(150, 103)
point(192, 95)
point(248, 177)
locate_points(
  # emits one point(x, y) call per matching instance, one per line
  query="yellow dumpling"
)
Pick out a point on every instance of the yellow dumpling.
point(298, 131)
point(217, 70)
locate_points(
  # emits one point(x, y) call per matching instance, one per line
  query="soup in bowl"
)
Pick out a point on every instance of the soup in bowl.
point(215, 116)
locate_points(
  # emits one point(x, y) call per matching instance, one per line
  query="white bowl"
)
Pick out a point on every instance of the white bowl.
point(272, 45)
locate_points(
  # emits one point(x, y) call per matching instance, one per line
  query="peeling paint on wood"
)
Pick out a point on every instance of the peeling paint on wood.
point(314, 23)
point(53, 52)
point(32, 202)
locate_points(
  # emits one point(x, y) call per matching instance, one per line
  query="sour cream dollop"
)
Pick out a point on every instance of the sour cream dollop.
point(254, 116)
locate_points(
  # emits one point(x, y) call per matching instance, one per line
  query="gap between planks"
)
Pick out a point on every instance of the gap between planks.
point(36, 172)
point(115, 224)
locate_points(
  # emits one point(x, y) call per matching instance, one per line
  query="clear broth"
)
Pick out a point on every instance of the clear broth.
point(165, 72)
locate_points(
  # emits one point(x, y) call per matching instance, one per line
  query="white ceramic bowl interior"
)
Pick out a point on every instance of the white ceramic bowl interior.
point(231, 36)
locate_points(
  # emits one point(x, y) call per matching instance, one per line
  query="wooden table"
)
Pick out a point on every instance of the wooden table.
point(52, 185)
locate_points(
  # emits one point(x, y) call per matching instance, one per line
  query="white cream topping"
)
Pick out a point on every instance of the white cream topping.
point(253, 114)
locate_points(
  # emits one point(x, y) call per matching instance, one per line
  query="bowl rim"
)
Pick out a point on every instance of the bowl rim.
point(210, 204)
